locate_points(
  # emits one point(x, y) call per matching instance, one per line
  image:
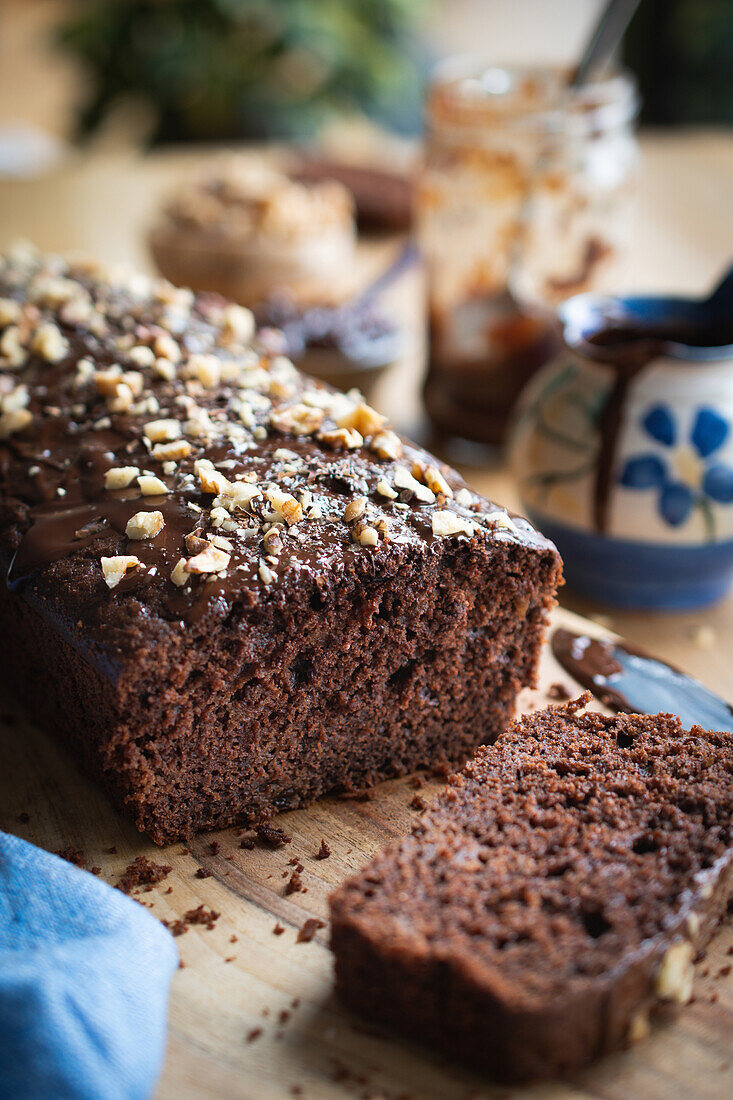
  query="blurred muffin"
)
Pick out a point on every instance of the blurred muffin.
point(246, 230)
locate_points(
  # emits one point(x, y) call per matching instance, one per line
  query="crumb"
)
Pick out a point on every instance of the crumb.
point(296, 1090)
point(309, 929)
point(278, 929)
point(96, 870)
point(214, 847)
point(724, 971)
point(324, 851)
point(230, 959)
point(73, 855)
point(272, 836)
point(24, 818)
point(202, 915)
point(175, 927)
point(558, 692)
point(295, 862)
point(247, 843)
point(233, 939)
point(201, 872)
point(294, 883)
point(142, 872)
point(295, 1002)
point(181, 964)
point(169, 890)
point(417, 782)
point(417, 802)
point(112, 851)
point(254, 1034)
point(283, 1016)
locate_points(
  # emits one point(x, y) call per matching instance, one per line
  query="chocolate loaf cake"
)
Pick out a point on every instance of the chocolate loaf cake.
point(554, 895)
point(230, 588)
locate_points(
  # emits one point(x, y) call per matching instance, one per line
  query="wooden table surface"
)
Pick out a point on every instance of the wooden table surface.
point(101, 206)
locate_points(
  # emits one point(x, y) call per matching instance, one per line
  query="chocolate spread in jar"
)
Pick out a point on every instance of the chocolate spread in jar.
point(480, 359)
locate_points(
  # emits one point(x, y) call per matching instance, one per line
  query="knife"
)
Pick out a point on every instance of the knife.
point(628, 679)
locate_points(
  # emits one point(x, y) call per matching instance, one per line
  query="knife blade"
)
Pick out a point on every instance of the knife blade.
point(626, 678)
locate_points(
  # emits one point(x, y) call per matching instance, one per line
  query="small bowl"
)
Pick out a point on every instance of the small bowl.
point(346, 346)
point(623, 449)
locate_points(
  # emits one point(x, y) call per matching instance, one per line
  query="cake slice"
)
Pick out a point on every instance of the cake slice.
point(228, 587)
point(553, 896)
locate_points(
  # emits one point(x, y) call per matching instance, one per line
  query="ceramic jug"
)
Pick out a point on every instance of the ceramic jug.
point(623, 448)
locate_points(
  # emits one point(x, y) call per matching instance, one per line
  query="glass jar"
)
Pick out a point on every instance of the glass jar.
point(523, 201)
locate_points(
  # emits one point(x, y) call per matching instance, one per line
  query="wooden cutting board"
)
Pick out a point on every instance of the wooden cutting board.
point(252, 1013)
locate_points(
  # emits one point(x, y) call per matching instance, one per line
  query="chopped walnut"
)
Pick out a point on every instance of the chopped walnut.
point(210, 479)
point(142, 355)
point(206, 368)
point(14, 420)
point(435, 481)
point(152, 486)
point(115, 568)
point(266, 574)
point(346, 439)
point(145, 525)
point(10, 311)
point(355, 510)
point(119, 477)
point(501, 519)
point(50, 342)
point(238, 494)
point(386, 445)
point(122, 398)
point(179, 575)
point(165, 369)
point(13, 352)
point(162, 431)
point(385, 489)
point(165, 347)
point(108, 380)
point(210, 560)
point(403, 479)
point(297, 419)
point(364, 418)
point(238, 324)
point(448, 523)
point(368, 536)
point(173, 451)
point(286, 505)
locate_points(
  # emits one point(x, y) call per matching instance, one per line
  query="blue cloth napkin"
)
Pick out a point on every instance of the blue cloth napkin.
point(84, 976)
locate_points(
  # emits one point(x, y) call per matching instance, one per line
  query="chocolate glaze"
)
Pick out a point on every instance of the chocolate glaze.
point(53, 501)
point(628, 679)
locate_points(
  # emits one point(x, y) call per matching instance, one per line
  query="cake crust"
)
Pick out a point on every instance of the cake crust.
point(552, 899)
point(229, 587)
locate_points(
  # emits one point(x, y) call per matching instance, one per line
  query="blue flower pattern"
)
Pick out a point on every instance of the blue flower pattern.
point(651, 471)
